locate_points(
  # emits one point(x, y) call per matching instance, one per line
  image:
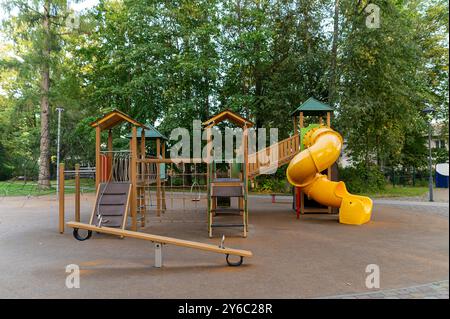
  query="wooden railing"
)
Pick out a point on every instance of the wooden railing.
point(261, 162)
point(272, 157)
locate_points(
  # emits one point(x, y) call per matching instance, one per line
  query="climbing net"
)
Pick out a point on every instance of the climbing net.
point(165, 188)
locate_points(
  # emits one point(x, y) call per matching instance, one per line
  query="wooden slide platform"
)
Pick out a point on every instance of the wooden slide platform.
point(163, 240)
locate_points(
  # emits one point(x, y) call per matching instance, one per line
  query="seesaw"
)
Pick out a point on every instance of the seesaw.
point(110, 209)
point(162, 240)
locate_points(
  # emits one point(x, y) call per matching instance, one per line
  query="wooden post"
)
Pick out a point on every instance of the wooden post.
point(302, 201)
point(163, 154)
point(110, 154)
point(143, 181)
point(295, 125)
point(77, 192)
point(143, 144)
point(158, 178)
point(320, 120)
point(208, 180)
point(245, 215)
point(98, 162)
point(61, 198)
point(133, 178)
point(301, 195)
point(330, 209)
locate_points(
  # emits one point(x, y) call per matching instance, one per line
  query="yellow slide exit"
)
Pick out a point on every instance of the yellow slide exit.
point(323, 149)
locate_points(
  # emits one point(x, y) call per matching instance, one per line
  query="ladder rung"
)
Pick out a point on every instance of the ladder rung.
point(115, 204)
point(227, 225)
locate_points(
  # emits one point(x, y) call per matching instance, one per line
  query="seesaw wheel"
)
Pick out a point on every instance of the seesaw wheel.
point(234, 264)
point(80, 238)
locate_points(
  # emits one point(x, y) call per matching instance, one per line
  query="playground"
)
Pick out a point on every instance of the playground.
point(307, 258)
point(145, 222)
point(224, 149)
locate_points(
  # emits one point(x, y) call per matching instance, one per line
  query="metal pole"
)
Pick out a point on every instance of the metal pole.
point(59, 109)
point(430, 164)
point(158, 255)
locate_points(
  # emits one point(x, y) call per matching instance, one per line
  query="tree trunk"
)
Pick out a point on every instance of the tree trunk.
point(207, 93)
point(44, 158)
point(332, 87)
point(305, 11)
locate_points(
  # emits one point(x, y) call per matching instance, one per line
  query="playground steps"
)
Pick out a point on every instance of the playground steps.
point(227, 188)
point(278, 154)
point(227, 191)
point(227, 225)
point(111, 204)
point(227, 211)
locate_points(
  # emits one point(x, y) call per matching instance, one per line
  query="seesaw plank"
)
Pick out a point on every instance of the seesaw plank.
point(162, 239)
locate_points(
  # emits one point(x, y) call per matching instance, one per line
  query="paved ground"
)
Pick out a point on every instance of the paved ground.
point(307, 258)
point(435, 290)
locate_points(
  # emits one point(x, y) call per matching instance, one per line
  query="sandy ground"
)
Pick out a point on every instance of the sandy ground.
point(311, 257)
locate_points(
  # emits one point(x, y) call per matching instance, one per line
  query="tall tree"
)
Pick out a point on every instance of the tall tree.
point(44, 159)
point(333, 63)
point(38, 33)
point(169, 62)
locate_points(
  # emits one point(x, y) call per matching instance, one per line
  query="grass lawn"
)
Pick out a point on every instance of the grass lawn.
point(21, 188)
point(399, 191)
point(29, 188)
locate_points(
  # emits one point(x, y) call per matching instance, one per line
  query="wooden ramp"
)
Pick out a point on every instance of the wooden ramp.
point(161, 240)
point(111, 204)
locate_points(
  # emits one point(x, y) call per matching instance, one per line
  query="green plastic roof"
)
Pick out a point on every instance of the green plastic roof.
point(151, 133)
point(312, 107)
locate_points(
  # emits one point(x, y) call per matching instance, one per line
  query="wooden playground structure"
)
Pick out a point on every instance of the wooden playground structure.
point(123, 181)
point(310, 108)
point(129, 183)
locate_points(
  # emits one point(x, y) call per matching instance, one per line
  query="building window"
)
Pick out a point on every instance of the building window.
point(440, 143)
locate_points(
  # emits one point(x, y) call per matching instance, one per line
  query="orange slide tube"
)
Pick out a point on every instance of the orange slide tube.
point(323, 148)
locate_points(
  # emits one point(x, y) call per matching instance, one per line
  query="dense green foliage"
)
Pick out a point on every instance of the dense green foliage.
point(169, 62)
point(362, 179)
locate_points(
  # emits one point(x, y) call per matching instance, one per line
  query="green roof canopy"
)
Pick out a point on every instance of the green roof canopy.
point(150, 133)
point(313, 107)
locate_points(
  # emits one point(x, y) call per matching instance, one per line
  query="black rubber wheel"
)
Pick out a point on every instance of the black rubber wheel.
point(78, 237)
point(234, 264)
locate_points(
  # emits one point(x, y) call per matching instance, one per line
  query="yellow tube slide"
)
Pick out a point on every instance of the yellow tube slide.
point(323, 149)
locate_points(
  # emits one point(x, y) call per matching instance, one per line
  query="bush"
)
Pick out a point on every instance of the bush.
point(5, 168)
point(273, 183)
point(362, 179)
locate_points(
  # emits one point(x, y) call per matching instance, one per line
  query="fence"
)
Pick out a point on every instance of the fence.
point(407, 176)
